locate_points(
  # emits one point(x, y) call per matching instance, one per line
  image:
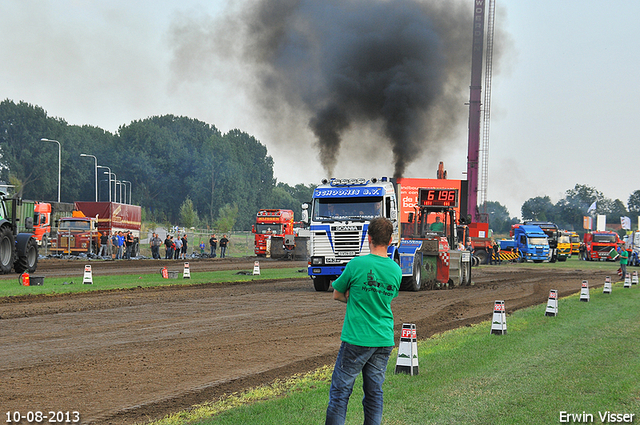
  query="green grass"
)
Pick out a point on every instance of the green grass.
point(585, 359)
point(56, 285)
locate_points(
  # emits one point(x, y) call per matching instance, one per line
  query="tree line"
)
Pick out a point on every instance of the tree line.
point(181, 170)
point(186, 172)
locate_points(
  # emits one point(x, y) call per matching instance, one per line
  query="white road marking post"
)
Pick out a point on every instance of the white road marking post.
point(584, 291)
point(407, 361)
point(499, 321)
point(552, 304)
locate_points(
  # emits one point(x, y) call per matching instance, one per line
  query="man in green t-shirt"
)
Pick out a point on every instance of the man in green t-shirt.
point(367, 286)
point(437, 226)
point(624, 260)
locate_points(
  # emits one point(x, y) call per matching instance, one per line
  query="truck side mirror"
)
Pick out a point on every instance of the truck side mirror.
point(305, 213)
point(28, 222)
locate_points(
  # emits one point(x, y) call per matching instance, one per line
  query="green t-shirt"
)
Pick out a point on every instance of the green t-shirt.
point(624, 257)
point(437, 226)
point(372, 281)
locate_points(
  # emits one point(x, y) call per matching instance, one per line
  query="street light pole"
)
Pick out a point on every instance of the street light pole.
point(59, 162)
point(95, 160)
point(119, 183)
point(115, 186)
point(126, 181)
point(102, 166)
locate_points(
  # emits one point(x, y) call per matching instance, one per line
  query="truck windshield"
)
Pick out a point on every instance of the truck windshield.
point(75, 225)
point(538, 241)
point(564, 239)
point(575, 239)
point(270, 228)
point(346, 209)
point(604, 238)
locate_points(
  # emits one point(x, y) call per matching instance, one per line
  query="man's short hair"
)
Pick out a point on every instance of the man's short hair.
point(380, 230)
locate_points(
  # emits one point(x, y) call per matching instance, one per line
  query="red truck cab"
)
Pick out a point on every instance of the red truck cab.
point(270, 223)
point(598, 245)
point(42, 222)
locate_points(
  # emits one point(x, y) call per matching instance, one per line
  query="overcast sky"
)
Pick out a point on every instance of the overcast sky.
point(564, 96)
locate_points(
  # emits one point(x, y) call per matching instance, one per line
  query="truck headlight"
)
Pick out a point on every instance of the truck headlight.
point(317, 261)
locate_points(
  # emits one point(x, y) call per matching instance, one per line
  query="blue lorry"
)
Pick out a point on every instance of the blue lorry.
point(530, 241)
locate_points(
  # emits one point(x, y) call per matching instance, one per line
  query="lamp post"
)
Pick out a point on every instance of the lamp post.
point(115, 186)
point(119, 183)
point(126, 181)
point(109, 173)
point(59, 162)
point(95, 160)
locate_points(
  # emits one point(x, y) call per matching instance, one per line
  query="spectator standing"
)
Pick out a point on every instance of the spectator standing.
point(624, 259)
point(167, 245)
point(114, 245)
point(120, 242)
point(213, 243)
point(155, 246)
point(178, 248)
point(104, 241)
point(202, 248)
point(224, 242)
point(367, 285)
point(128, 244)
point(185, 245)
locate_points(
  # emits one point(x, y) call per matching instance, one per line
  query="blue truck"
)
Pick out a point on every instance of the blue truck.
point(530, 241)
point(339, 217)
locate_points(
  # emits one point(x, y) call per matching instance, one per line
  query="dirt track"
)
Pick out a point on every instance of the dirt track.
point(128, 356)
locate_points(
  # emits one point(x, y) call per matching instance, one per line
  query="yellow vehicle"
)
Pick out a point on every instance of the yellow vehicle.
point(575, 243)
point(564, 245)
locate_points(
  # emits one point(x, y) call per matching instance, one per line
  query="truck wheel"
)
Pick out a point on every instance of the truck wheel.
point(466, 273)
point(321, 283)
point(482, 255)
point(28, 261)
point(6, 249)
point(413, 282)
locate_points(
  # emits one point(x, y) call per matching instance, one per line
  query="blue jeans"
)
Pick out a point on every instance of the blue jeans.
point(223, 251)
point(353, 359)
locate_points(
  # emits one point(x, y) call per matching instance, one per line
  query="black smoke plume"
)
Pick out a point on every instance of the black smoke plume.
point(402, 65)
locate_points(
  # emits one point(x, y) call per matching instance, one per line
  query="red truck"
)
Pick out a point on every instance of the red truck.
point(598, 245)
point(271, 223)
point(81, 232)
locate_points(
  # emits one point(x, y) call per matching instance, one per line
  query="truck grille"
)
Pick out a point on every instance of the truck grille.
point(64, 242)
point(346, 244)
point(605, 249)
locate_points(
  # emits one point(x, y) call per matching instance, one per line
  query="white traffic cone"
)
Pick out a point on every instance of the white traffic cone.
point(552, 304)
point(627, 281)
point(634, 278)
point(407, 361)
point(88, 276)
point(256, 268)
point(186, 274)
point(499, 321)
point(584, 291)
point(606, 289)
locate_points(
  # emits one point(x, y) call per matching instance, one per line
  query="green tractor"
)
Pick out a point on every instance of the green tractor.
point(17, 250)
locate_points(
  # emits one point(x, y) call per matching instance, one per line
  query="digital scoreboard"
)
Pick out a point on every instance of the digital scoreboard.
point(438, 197)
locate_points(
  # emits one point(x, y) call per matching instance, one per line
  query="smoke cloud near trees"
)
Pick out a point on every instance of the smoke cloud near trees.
point(400, 68)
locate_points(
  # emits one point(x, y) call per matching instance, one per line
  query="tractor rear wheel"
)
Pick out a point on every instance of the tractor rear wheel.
point(28, 261)
point(6, 249)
